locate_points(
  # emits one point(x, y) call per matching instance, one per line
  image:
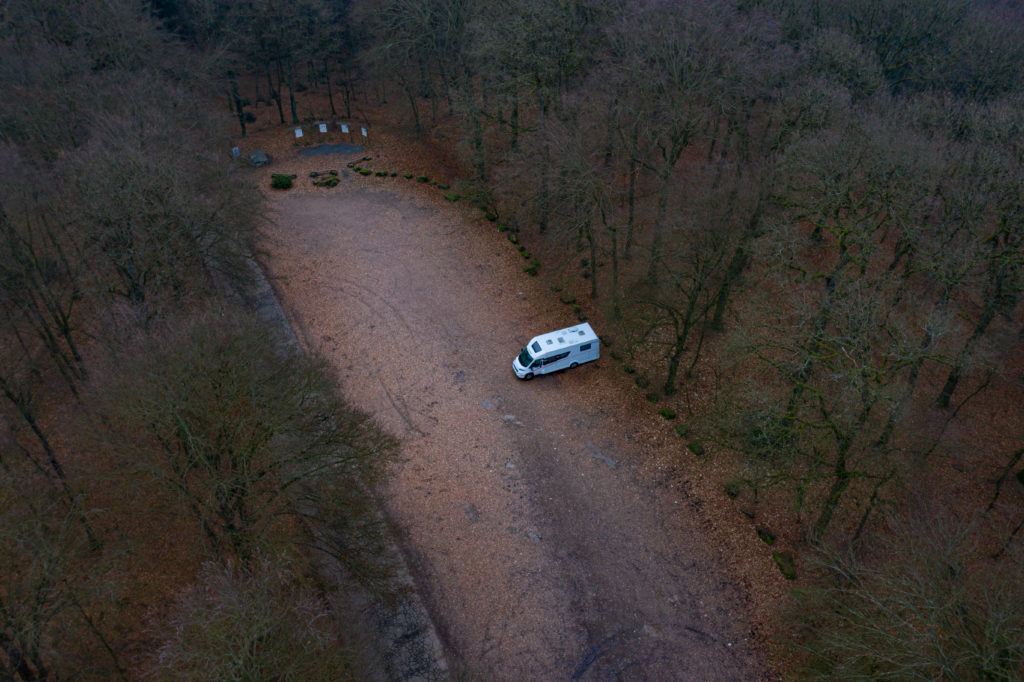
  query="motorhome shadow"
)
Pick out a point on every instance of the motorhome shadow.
point(562, 349)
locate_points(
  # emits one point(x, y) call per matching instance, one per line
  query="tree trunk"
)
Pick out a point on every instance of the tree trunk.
point(291, 91)
point(987, 315)
point(631, 196)
point(412, 105)
point(237, 101)
point(659, 226)
point(330, 90)
point(276, 93)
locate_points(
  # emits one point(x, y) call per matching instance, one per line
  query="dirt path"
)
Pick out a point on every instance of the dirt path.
point(542, 549)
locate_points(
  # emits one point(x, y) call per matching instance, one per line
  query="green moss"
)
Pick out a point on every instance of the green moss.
point(784, 560)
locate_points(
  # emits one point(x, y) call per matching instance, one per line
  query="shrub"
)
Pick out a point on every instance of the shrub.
point(732, 489)
point(667, 413)
point(576, 308)
point(513, 238)
point(682, 430)
point(766, 535)
point(696, 447)
point(382, 174)
point(530, 270)
point(652, 397)
point(502, 227)
point(280, 181)
point(451, 196)
point(442, 186)
point(567, 298)
point(407, 176)
point(628, 369)
point(365, 171)
point(422, 178)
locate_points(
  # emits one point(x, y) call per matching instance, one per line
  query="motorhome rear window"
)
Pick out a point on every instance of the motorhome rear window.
point(536, 347)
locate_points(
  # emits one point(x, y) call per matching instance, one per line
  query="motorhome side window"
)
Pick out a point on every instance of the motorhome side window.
point(585, 346)
point(556, 358)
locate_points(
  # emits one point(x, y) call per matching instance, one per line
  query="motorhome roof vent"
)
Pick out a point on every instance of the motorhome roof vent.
point(561, 340)
point(549, 342)
point(581, 333)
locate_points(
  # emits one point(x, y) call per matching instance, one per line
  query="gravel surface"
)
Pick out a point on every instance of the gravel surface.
point(542, 546)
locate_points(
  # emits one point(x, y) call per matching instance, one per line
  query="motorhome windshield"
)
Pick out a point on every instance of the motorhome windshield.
point(525, 358)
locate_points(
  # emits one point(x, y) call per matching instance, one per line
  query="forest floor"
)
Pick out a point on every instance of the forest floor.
point(556, 528)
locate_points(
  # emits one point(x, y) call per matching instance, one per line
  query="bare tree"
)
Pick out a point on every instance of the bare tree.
point(254, 622)
point(235, 428)
point(924, 604)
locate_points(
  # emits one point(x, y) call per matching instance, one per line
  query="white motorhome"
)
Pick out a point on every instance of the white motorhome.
point(557, 350)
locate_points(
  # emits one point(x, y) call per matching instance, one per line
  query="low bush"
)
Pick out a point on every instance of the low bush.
point(280, 181)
